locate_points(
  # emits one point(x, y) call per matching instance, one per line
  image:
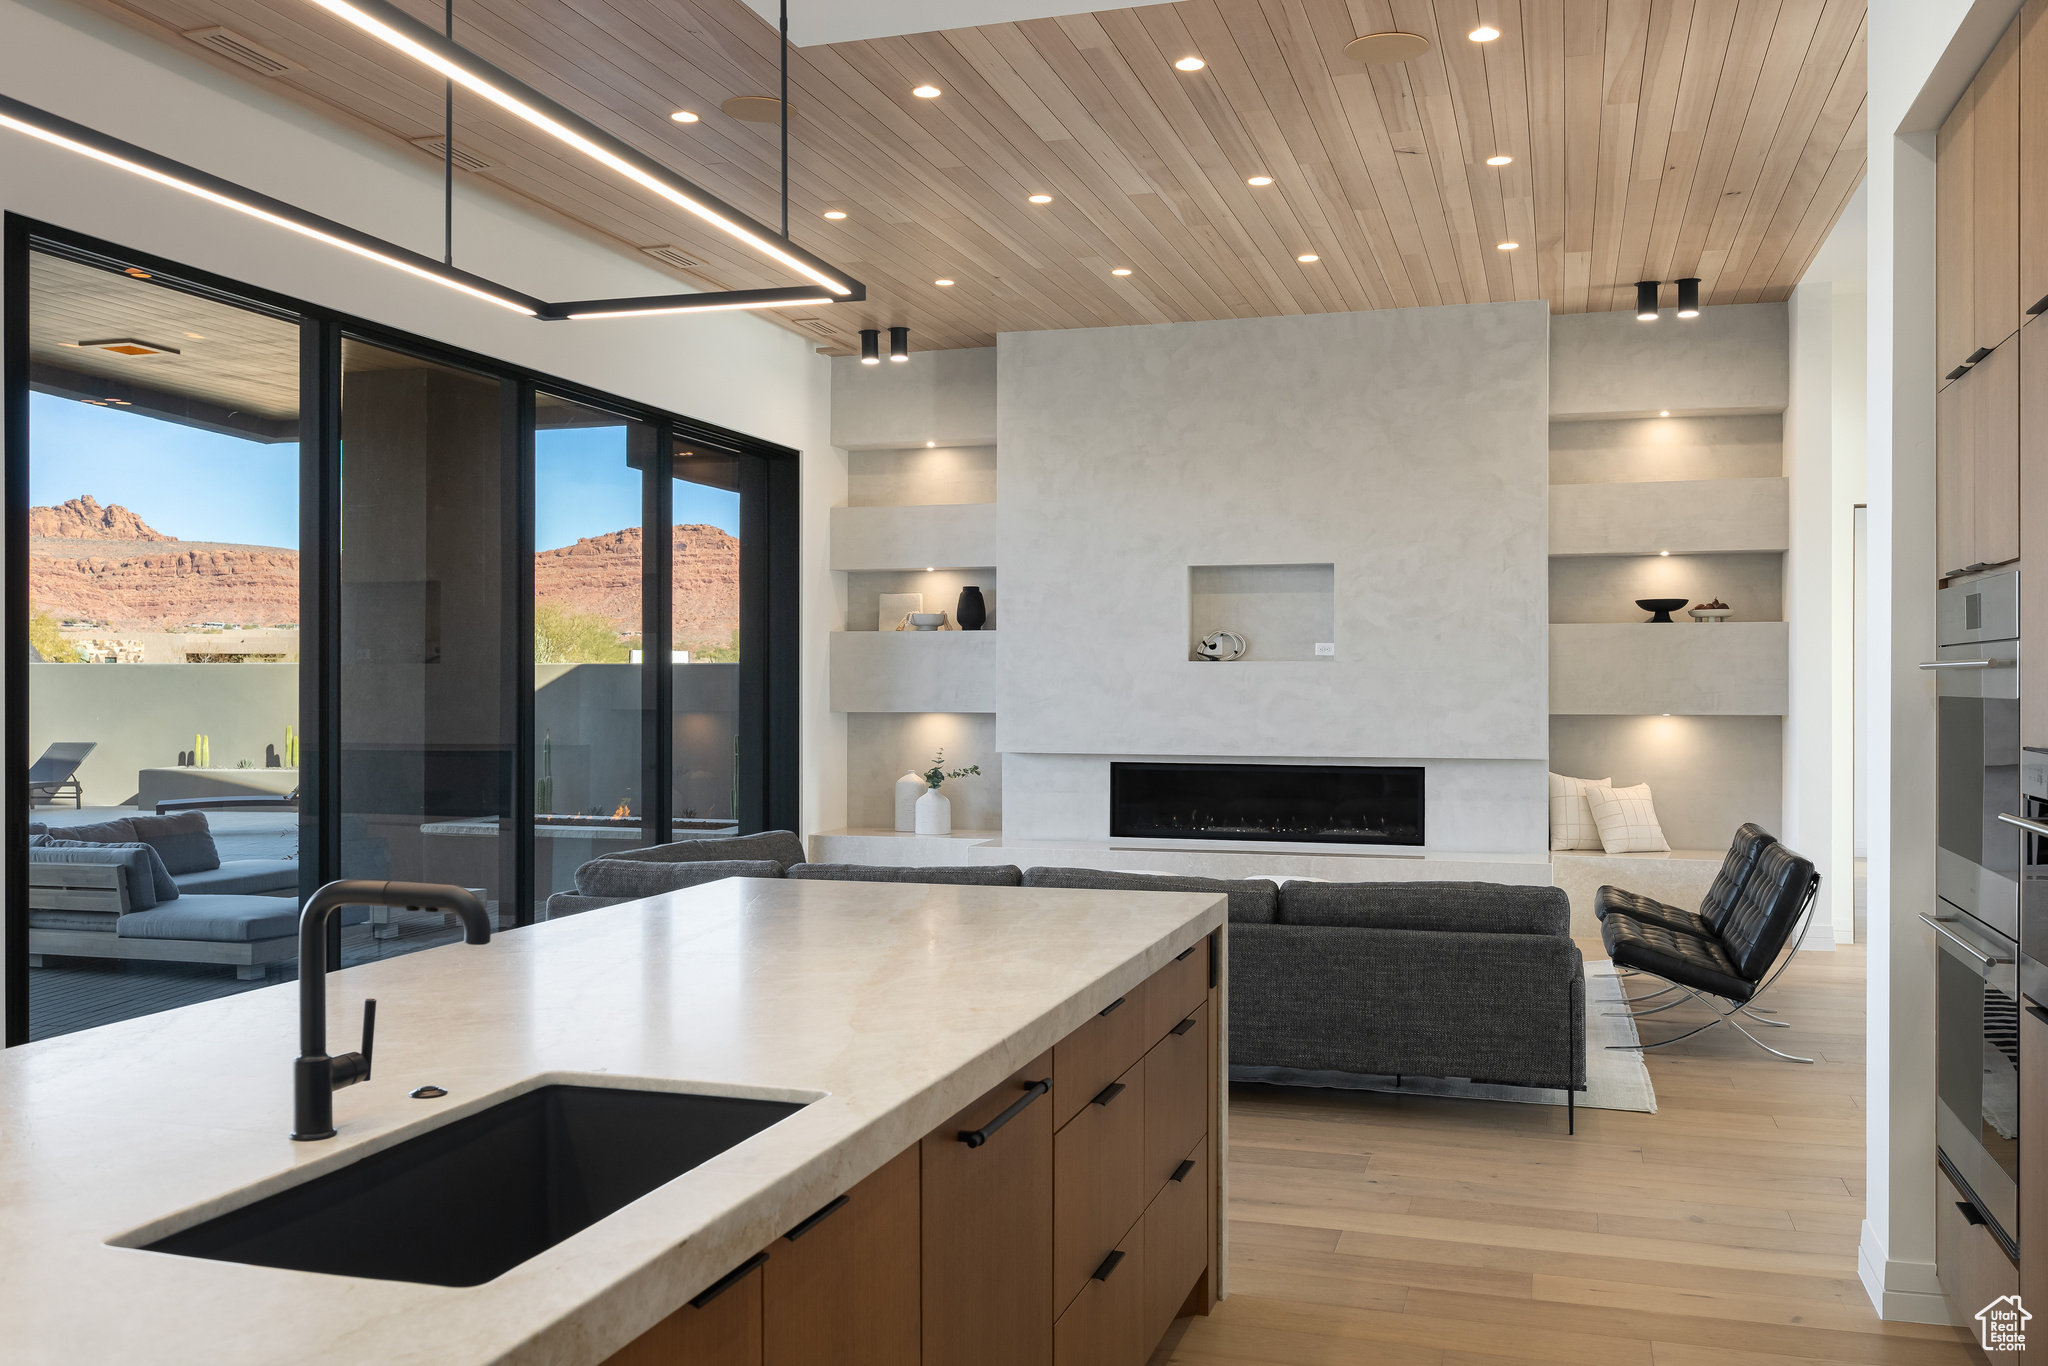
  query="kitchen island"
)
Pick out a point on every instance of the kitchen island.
point(900, 1016)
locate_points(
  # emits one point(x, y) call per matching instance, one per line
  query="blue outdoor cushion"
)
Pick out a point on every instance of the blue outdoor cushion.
point(148, 880)
point(184, 840)
point(242, 876)
point(225, 919)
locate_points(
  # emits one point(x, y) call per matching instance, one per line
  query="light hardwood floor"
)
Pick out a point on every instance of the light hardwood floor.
point(1720, 1231)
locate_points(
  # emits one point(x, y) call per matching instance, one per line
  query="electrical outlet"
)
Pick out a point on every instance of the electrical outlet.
point(1326, 649)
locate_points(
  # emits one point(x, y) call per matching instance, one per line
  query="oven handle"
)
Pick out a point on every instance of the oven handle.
point(1967, 664)
point(1962, 943)
point(2023, 823)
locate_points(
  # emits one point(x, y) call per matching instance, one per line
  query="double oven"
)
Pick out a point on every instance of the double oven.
point(1991, 885)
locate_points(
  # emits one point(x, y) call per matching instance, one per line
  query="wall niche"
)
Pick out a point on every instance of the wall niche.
point(1286, 613)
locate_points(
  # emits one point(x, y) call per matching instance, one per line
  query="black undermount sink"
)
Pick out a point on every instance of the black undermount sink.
point(470, 1200)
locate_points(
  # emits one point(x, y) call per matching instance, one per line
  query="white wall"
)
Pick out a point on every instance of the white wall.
point(1730, 359)
point(730, 369)
point(1922, 54)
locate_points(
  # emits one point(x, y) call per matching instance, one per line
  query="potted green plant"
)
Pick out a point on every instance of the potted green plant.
point(934, 809)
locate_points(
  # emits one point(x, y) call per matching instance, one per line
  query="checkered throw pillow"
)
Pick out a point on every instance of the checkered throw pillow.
point(1627, 820)
point(1571, 819)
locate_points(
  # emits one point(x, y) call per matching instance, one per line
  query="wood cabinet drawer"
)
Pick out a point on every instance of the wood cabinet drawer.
point(1099, 1187)
point(1173, 992)
point(722, 1327)
point(1972, 1267)
point(1176, 1243)
point(988, 1231)
point(1105, 1324)
point(1176, 1096)
point(1098, 1053)
point(841, 1289)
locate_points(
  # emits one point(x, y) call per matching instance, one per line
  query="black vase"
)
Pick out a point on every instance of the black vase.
point(971, 612)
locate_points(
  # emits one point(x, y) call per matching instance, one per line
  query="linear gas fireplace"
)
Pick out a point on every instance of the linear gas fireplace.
point(1296, 803)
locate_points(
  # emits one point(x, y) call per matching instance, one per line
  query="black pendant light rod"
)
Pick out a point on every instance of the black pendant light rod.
point(448, 154)
point(783, 104)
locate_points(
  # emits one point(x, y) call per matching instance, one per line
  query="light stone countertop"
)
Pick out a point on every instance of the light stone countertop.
point(899, 1003)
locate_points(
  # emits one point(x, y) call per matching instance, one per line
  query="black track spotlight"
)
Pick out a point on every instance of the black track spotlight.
point(870, 346)
point(899, 343)
point(1689, 297)
point(1646, 300)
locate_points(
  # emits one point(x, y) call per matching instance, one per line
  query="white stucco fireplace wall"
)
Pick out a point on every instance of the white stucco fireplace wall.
point(1407, 448)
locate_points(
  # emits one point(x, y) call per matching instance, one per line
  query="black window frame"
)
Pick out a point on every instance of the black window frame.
point(769, 679)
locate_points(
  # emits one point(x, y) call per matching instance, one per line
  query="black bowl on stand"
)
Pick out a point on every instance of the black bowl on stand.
point(1661, 608)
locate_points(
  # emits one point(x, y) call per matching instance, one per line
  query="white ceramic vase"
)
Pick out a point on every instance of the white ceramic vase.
point(909, 788)
point(934, 813)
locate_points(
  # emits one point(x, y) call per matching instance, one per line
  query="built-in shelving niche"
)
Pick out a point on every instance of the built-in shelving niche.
point(1283, 611)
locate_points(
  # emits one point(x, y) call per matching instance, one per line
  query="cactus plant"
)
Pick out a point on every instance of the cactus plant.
point(291, 747)
point(202, 751)
point(544, 787)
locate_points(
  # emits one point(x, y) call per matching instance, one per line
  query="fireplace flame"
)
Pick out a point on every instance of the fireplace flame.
point(625, 810)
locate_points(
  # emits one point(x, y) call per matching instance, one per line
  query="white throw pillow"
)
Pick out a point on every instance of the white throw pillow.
point(1571, 819)
point(1627, 820)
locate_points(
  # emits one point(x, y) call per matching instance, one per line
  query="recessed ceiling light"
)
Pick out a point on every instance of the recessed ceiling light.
point(1260, 180)
point(931, 569)
point(1485, 33)
point(1663, 552)
point(1121, 270)
point(926, 92)
point(683, 116)
point(1190, 64)
point(1665, 413)
point(942, 283)
point(196, 336)
point(930, 445)
point(138, 274)
point(1506, 246)
point(129, 346)
point(1041, 199)
point(1308, 256)
point(1499, 161)
point(835, 213)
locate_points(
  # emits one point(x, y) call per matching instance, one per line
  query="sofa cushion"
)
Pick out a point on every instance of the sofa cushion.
point(184, 841)
point(563, 904)
point(1253, 900)
point(781, 845)
point(104, 832)
point(1457, 907)
point(1003, 875)
point(631, 878)
point(243, 876)
point(226, 919)
point(37, 828)
point(148, 880)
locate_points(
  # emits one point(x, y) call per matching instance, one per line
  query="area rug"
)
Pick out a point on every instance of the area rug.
point(1616, 1079)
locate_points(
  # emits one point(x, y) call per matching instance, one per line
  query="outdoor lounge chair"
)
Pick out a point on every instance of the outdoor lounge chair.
point(252, 802)
point(55, 775)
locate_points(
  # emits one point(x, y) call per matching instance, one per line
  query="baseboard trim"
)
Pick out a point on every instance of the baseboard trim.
point(1902, 1292)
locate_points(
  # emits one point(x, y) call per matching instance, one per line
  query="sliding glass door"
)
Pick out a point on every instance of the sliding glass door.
point(529, 625)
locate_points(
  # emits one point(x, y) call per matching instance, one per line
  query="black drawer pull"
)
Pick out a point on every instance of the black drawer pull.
point(1112, 1005)
point(728, 1280)
point(1970, 1214)
point(974, 1138)
point(1183, 1027)
point(1109, 1093)
point(1180, 1173)
point(1109, 1264)
point(2037, 1012)
point(1182, 956)
point(816, 1219)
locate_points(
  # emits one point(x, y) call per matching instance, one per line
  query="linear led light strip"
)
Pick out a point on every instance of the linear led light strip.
point(391, 25)
point(189, 186)
point(73, 137)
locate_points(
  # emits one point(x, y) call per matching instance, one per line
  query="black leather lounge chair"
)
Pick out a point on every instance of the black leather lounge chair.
point(1723, 954)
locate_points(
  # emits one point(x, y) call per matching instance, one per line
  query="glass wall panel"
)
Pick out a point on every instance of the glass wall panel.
point(429, 663)
point(593, 687)
point(163, 572)
point(705, 617)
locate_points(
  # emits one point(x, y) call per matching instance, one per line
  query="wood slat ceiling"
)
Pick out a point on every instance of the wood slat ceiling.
point(1651, 139)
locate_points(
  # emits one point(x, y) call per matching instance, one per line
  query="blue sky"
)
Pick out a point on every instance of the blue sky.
point(201, 486)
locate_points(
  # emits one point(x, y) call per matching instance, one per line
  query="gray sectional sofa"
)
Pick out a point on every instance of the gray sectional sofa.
point(155, 887)
point(1473, 980)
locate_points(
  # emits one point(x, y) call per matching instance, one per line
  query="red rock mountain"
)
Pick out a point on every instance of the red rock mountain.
point(107, 564)
point(602, 574)
point(84, 519)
